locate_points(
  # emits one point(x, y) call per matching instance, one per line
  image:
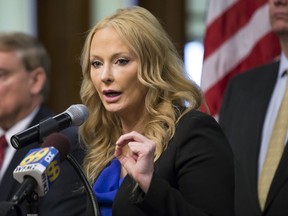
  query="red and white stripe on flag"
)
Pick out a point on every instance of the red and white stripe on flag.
point(238, 37)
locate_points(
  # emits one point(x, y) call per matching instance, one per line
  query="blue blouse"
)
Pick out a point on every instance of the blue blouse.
point(106, 187)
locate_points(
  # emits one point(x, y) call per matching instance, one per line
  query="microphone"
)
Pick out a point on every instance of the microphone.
point(40, 167)
point(75, 115)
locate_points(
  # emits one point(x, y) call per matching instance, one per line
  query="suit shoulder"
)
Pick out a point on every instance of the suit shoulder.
point(257, 73)
point(196, 118)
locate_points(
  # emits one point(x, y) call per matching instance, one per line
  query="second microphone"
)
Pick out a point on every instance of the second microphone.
point(75, 115)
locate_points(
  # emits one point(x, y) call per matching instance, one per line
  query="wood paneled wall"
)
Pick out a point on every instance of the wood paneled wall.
point(171, 14)
point(61, 28)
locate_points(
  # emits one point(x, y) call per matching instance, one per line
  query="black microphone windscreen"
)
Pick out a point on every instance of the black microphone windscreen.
point(58, 141)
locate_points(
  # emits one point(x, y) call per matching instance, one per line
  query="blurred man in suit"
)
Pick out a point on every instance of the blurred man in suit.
point(24, 68)
point(248, 116)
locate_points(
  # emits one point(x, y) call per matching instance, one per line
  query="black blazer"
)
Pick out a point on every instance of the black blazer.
point(194, 176)
point(242, 116)
point(64, 196)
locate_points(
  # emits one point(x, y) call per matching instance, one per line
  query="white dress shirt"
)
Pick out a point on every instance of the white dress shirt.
point(19, 126)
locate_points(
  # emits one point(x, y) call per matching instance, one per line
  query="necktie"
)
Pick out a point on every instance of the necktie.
point(275, 150)
point(3, 145)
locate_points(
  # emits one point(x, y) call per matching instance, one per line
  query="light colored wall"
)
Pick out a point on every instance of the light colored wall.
point(18, 15)
point(196, 15)
point(102, 8)
point(195, 29)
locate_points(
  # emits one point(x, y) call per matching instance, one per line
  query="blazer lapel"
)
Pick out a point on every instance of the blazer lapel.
point(9, 186)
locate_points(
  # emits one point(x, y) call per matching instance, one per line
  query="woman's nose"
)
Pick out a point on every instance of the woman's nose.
point(107, 75)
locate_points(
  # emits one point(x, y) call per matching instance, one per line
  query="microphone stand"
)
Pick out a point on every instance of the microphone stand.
point(32, 204)
point(12, 207)
point(9, 209)
point(92, 198)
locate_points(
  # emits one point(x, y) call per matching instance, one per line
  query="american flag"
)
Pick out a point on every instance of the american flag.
point(238, 37)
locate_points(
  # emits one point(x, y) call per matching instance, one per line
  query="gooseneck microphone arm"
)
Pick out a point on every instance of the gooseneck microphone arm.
point(87, 185)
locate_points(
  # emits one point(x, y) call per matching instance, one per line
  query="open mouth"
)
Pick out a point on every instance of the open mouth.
point(111, 93)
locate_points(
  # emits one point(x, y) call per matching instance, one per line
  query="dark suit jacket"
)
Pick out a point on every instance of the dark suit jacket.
point(194, 176)
point(64, 196)
point(242, 116)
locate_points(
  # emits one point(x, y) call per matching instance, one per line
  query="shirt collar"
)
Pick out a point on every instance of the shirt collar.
point(19, 126)
point(283, 65)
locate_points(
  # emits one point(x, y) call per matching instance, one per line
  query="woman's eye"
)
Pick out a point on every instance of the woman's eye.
point(96, 64)
point(122, 61)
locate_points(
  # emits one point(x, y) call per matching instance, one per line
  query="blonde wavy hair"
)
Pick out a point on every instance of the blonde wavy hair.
point(160, 69)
